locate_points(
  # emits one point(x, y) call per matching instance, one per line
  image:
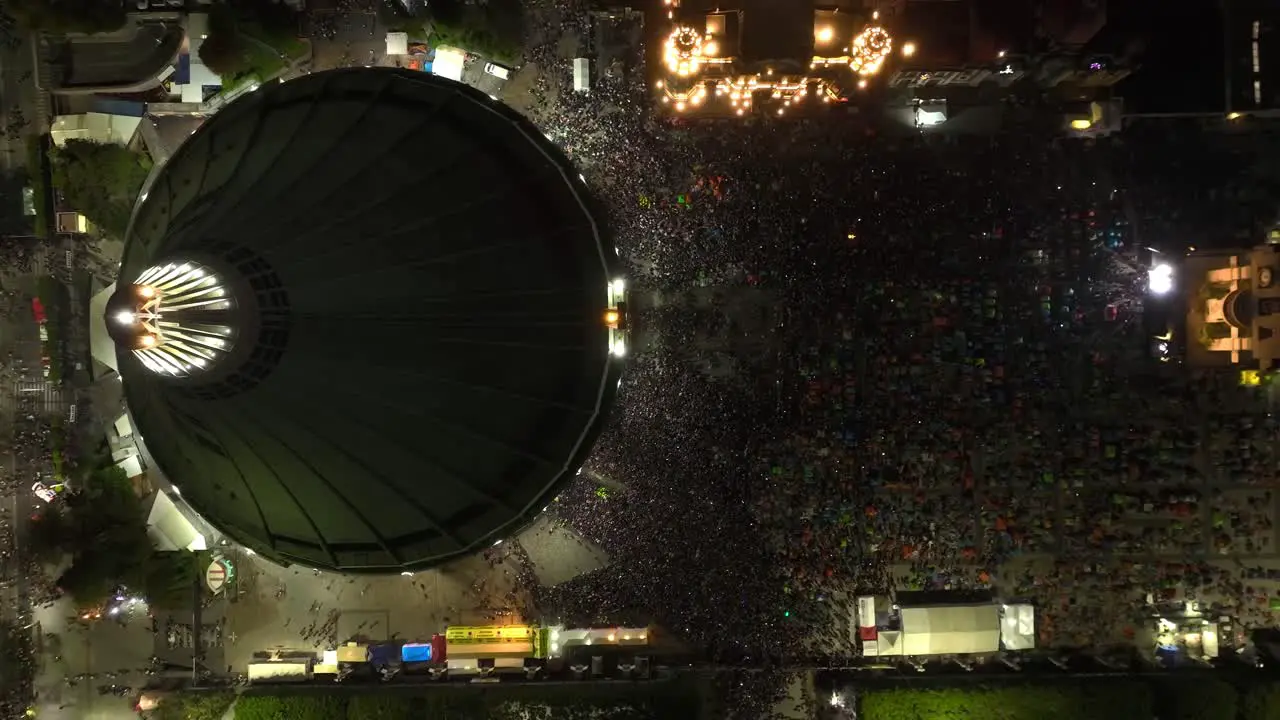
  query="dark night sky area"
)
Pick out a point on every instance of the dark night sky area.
point(1180, 53)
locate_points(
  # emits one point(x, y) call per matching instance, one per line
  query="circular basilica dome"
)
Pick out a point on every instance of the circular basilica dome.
point(362, 321)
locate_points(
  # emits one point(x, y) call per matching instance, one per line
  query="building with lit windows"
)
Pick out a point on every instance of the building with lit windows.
point(1233, 307)
point(367, 320)
point(1251, 29)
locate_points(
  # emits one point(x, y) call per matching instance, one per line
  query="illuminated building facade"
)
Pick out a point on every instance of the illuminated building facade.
point(961, 43)
point(1233, 307)
point(178, 319)
point(1252, 29)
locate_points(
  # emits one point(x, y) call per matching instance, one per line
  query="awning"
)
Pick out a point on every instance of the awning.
point(124, 428)
point(397, 43)
point(131, 466)
point(169, 529)
point(101, 346)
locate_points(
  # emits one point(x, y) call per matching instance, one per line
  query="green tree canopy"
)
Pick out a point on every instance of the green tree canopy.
point(250, 40)
point(224, 50)
point(1204, 699)
point(15, 671)
point(1262, 703)
point(1089, 700)
point(100, 181)
point(381, 707)
point(291, 707)
point(78, 16)
point(194, 705)
point(104, 530)
point(48, 534)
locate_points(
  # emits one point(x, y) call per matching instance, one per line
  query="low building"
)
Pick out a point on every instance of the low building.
point(918, 626)
point(1233, 307)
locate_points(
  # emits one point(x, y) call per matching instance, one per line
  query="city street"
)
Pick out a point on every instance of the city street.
point(19, 99)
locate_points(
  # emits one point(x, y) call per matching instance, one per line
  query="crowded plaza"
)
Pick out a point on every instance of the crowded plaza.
point(868, 359)
point(952, 381)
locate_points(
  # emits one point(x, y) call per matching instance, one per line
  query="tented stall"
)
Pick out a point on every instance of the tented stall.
point(397, 43)
point(1018, 627)
point(449, 63)
point(951, 630)
point(888, 643)
point(169, 529)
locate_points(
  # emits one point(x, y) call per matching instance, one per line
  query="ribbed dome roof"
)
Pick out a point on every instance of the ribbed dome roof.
point(408, 355)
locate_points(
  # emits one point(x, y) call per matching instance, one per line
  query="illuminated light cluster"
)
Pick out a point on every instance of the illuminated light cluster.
point(869, 50)
point(616, 297)
point(178, 321)
point(684, 51)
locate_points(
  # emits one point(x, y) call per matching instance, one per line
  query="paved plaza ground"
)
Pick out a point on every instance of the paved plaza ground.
point(277, 608)
point(71, 649)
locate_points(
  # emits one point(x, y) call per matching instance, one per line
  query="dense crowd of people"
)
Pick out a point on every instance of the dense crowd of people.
point(871, 359)
point(954, 378)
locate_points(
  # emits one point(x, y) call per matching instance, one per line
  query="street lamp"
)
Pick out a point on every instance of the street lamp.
point(1160, 279)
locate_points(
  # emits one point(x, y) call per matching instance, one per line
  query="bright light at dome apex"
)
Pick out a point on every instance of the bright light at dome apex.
point(683, 52)
point(1160, 279)
point(869, 50)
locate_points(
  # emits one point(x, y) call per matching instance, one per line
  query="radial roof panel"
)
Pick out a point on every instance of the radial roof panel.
point(378, 299)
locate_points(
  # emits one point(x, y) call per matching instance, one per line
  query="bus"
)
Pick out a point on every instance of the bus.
point(473, 648)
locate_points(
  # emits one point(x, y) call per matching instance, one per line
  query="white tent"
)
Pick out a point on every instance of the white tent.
point(101, 346)
point(951, 630)
point(1018, 627)
point(131, 466)
point(449, 62)
point(397, 43)
point(888, 643)
point(169, 529)
point(94, 127)
point(124, 428)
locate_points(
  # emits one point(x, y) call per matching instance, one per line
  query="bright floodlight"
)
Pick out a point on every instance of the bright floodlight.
point(1160, 279)
point(124, 317)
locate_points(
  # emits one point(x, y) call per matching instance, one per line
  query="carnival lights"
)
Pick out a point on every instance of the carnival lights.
point(179, 321)
point(869, 50)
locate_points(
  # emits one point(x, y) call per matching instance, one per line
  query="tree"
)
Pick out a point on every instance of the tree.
point(250, 40)
point(1205, 699)
point(194, 705)
point(16, 670)
point(48, 534)
point(224, 50)
point(291, 707)
point(107, 537)
point(380, 707)
point(76, 16)
point(170, 579)
point(1262, 702)
point(101, 181)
